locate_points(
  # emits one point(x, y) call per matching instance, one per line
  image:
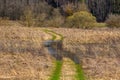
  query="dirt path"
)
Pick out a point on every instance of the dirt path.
point(54, 35)
point(66, 69)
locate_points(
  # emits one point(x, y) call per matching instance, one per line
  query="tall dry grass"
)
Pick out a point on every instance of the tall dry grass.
point(22, 56)
point(98, 51)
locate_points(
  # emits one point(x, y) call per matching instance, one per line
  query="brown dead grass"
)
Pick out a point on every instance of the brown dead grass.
point(98, 51)
point(21, 39)
point(25, 66)
point(22, 56)
point(88, 36)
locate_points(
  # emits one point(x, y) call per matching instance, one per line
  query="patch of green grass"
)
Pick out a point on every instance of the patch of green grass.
point(61, 36)
point(57, 71)
point(47, 31)
point(100, 25)
point(53, 36)
point(58, 64)
point(80, 74)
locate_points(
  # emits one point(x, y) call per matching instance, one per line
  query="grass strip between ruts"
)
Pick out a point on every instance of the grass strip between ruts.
point(57, 72)
point(58, 64)
point(79, 72)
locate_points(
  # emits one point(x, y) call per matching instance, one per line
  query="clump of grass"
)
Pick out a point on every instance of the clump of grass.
point(57, 71)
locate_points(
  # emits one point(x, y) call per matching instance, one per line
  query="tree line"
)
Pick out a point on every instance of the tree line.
point(99, 8)
point(102, 8)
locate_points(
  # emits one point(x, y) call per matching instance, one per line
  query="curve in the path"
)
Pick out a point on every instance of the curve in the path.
point(58, 64)
point(55, 36)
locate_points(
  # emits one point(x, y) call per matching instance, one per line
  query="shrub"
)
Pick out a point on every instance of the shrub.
point(82, 19)
point(82, 7)
point(36, 15)
point(55, 22)
point(68, 9)
point(28, 17)
point(40, 19)
point(56, 19)
point(113, 21)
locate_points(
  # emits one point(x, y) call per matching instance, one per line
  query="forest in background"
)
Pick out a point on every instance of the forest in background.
point(49, 11)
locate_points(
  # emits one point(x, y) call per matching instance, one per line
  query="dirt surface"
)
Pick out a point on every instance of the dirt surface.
point(68, 70)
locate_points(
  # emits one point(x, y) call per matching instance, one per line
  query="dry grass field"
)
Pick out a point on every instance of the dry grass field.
point(73, 35)
point(98, 50)
point(22, 56)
